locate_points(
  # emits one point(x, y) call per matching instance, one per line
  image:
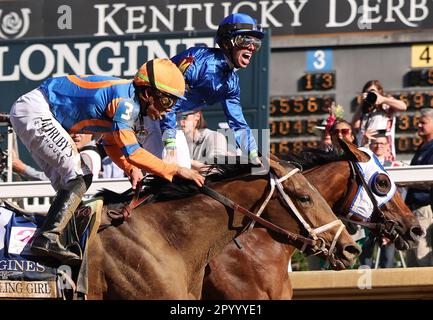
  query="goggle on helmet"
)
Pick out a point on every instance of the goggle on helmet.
point(239, 24)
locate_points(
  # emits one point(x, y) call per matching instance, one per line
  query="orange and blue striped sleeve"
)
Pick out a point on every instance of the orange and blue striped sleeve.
point(115, 154)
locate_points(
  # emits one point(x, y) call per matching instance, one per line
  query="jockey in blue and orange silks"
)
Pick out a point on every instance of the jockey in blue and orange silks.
point(210, 75)
point(102, 105)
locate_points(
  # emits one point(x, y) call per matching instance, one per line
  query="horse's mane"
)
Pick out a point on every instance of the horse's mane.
point(310, 158)
point(162, 190)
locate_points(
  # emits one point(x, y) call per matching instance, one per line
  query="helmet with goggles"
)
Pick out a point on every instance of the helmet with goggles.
point(162, 75)
point(239, 24)
point(167, 84)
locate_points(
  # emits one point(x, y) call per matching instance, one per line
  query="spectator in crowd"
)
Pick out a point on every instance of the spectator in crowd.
point(204, 144)
point(90, 159)
point(325, 140)
point(380, 146)
point(376, 112)
point(419, 199)
point(341, 129)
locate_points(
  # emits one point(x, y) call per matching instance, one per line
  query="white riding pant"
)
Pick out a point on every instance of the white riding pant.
point(151, 140)
point(48, 142)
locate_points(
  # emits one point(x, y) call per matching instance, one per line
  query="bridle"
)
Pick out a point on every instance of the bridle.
point(385, 227)
point(315, 244)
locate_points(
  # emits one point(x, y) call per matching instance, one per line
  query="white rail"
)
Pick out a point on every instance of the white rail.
point(412, 175)
point(36, 195)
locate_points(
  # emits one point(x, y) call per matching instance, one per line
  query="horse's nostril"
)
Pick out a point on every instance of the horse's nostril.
point(416, 232)
point(350, 252)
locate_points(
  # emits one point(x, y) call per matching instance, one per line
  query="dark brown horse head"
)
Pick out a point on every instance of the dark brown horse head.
point(317, 218)
point(394, 214)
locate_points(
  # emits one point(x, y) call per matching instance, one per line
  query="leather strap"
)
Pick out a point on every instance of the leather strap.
point(229, 203)
point(126, 211)
point(150, 73)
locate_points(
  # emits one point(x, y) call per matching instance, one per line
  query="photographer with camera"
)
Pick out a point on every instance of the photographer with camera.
point(376, 113)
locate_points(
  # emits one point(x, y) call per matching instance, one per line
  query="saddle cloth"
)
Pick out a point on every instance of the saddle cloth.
point(26, 275)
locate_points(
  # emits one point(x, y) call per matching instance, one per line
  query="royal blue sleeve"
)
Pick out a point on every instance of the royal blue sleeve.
point(236, 121)
point(168, 127)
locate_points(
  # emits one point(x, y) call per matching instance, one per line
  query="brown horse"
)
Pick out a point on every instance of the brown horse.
point(162, 250)
point(259, 269)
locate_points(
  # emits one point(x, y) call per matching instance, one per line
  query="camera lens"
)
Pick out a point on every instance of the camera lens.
point(371, 98)
point(369, 102)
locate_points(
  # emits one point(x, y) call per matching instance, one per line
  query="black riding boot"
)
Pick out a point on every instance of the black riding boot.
point(65, 203)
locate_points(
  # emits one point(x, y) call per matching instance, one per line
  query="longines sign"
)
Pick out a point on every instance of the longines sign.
point(45, 18)
point(25, 64)
point(35, 61)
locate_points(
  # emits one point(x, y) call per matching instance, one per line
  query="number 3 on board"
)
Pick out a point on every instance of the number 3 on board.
point(319, 60)
point(422, 55)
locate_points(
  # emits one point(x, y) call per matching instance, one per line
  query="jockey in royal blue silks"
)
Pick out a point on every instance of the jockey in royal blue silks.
point(210, 76)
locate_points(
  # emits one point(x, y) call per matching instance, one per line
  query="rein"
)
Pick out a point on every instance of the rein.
point(274, 181)
point(229, 203)
point(118, 217)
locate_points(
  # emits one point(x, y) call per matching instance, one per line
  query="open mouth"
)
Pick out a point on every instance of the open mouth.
point(246, 57)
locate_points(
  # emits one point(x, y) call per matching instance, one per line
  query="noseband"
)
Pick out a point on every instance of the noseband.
point(315, 243)
point(385, 227)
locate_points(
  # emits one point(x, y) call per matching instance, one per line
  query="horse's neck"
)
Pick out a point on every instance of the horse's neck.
point(199, 226)
point(331, 180)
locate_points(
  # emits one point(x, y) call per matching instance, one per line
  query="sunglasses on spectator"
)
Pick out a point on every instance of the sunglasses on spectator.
point(344, 131)
point(244, 41)
point(379, 143)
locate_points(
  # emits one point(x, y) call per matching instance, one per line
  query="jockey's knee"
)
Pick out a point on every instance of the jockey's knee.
point(79, 185)
point(88, 178)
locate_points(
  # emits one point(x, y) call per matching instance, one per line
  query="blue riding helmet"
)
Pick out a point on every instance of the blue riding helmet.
point(238, 23)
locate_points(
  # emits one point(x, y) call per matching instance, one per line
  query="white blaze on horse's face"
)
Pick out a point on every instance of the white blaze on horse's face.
point(380, 184)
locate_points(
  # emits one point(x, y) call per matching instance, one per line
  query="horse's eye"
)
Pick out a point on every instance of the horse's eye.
point(381, 184)
point(304, 198)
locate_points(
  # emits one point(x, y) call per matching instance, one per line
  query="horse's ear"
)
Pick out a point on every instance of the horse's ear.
point(274, 164)
point(352, 151)
point(273, 157)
